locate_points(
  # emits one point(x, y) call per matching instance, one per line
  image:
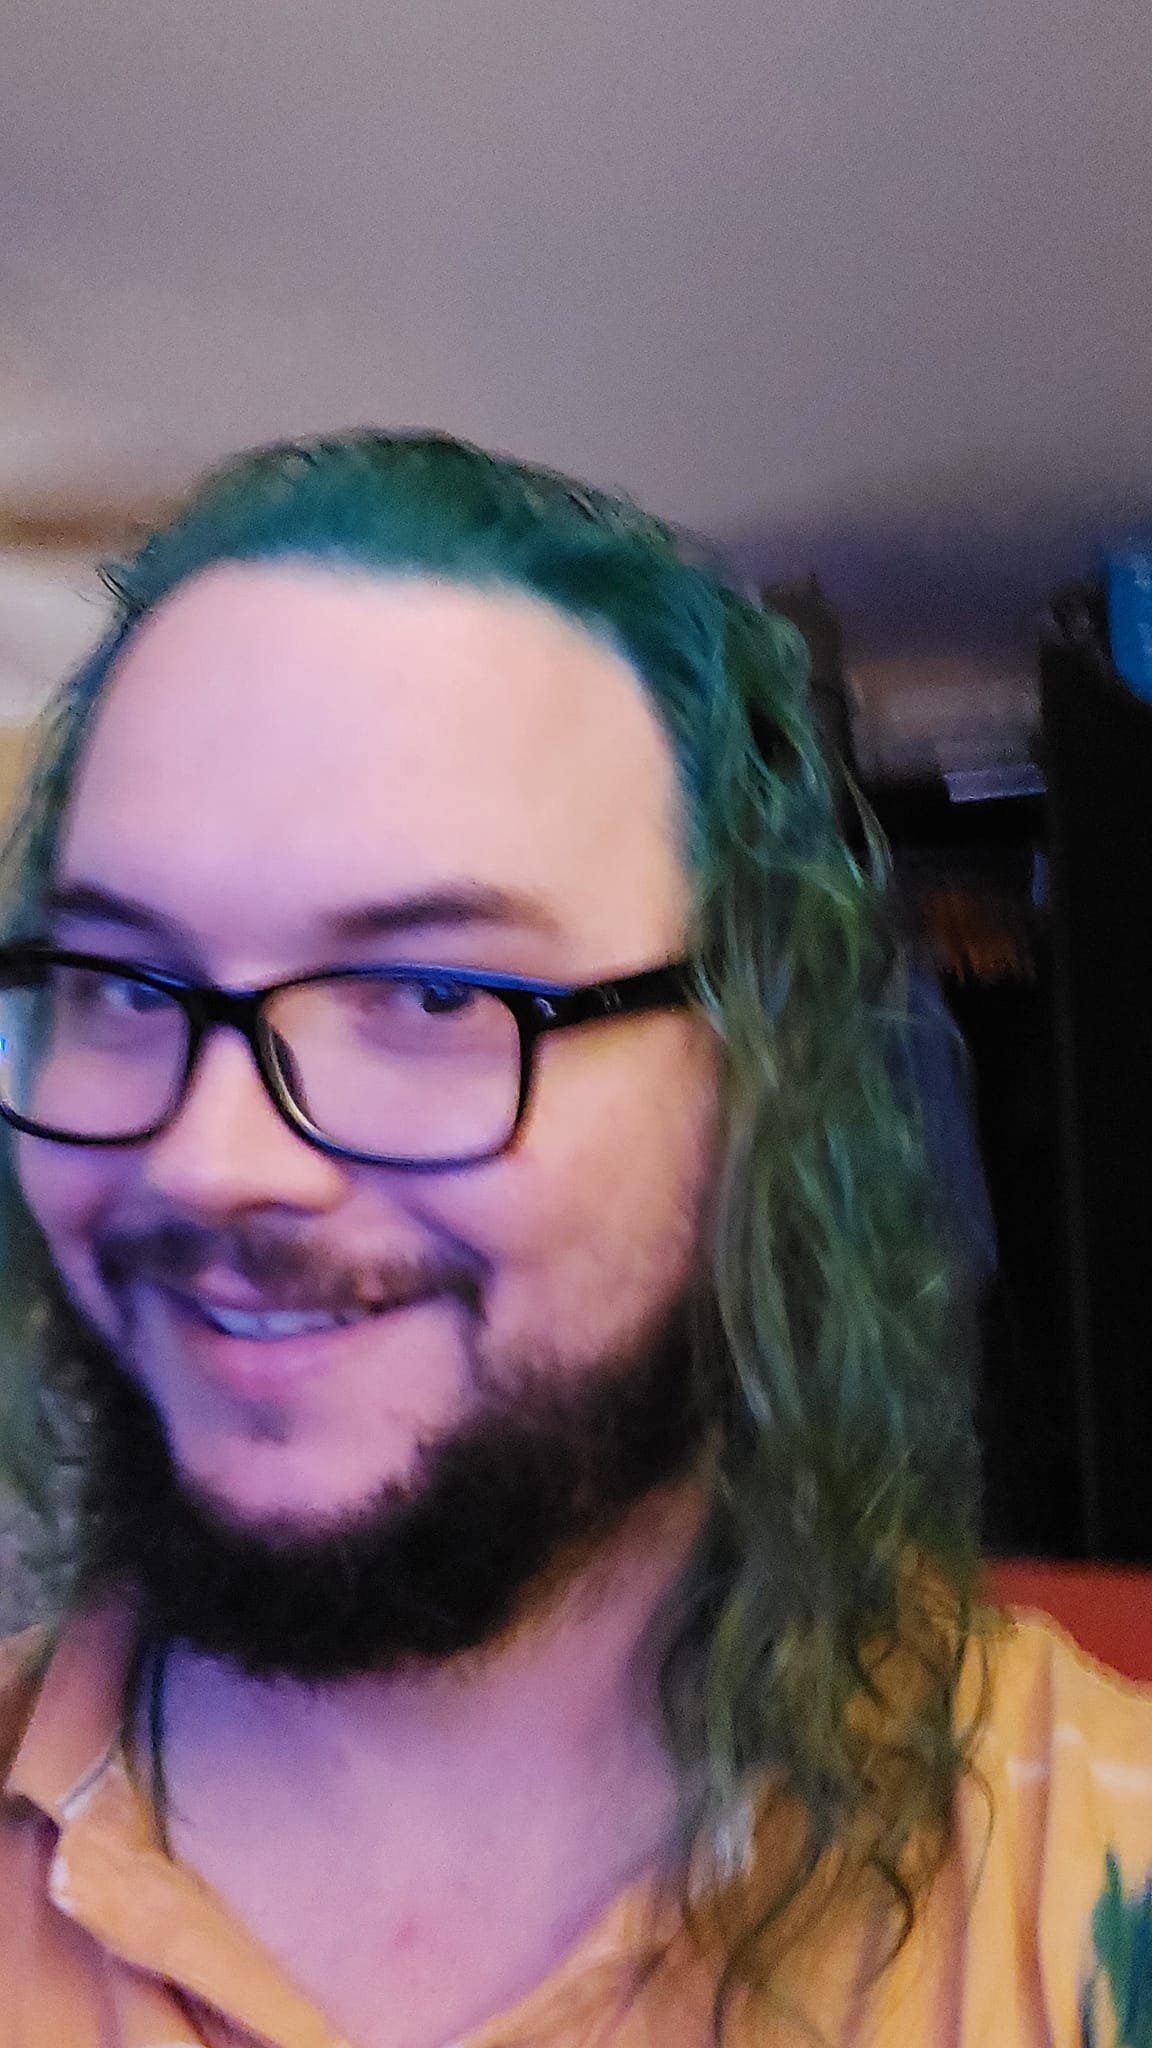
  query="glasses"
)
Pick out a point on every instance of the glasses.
point(416, 1067)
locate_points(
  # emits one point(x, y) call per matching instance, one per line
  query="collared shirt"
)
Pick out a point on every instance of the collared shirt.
point(1037, 1934)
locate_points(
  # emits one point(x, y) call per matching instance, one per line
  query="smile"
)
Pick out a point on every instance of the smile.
point(271, 1326)
point(273, 1323)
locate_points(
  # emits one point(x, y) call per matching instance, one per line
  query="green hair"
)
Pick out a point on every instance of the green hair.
point(818, 1633)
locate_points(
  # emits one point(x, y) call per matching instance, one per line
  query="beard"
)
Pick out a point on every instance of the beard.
point(496, 1516)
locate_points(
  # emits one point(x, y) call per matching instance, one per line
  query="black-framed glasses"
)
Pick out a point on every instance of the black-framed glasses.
point(416, 1067)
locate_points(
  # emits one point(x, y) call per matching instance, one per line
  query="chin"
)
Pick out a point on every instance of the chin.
point(326, 1539)
point(262, 1483)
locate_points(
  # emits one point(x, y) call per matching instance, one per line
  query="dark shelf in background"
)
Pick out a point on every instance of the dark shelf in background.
point(1029, 889)
point(970, 880)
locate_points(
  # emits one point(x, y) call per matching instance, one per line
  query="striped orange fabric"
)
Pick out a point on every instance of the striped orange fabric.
point(1035, 1936)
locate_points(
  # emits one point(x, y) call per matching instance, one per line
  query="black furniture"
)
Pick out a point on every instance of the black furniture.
point(1098, 754)
point(970, 887)
point(970, 884)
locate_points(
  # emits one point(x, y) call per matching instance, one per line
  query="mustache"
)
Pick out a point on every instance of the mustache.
point(289, 1267)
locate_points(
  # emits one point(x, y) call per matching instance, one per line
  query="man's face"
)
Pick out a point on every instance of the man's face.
point(296, 769)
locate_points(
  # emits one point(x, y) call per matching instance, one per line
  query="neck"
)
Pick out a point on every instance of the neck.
point(470, 1821)
point(570, 1688)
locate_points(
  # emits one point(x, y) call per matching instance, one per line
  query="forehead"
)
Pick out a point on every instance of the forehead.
point(278, 745)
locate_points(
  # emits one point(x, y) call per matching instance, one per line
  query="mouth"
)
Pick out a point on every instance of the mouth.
point(276, 1325)
point(262, 1349)
point(280, 1322)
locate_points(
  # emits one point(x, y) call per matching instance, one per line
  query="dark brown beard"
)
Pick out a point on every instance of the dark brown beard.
point(442, 1564)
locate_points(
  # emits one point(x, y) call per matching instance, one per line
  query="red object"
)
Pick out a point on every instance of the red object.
point(1107, 1609)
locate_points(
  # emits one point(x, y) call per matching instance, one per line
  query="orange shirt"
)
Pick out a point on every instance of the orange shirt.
point(1038, 1934)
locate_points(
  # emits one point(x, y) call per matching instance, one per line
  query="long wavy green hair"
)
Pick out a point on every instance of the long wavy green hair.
point(817, 1637)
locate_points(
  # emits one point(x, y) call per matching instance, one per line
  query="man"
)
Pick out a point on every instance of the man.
point(464, 1226)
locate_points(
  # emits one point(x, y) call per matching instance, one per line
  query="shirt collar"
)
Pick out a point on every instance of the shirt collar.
point(75, 1723)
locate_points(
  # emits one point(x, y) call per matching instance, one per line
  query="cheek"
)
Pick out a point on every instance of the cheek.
point(68, 1192)
point(593, 1221)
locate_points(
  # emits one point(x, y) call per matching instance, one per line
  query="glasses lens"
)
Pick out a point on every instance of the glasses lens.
point(88, 1054)
point(402, 1067)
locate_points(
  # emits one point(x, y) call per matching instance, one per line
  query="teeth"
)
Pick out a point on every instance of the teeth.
point(266, 1325)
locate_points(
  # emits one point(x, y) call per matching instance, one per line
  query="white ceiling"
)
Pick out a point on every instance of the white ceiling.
point(751, 259)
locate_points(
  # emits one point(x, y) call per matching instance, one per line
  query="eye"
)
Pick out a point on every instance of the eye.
point(113, 995)
point(113, 1011)
point(444, 998)
point(133, 998)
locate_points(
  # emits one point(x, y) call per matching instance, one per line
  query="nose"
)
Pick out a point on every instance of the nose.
point(229, 1149)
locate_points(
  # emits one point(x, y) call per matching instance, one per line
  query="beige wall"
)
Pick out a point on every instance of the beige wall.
point(14, 752)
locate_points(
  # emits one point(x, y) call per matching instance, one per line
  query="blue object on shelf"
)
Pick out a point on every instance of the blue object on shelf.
point(1129, 582)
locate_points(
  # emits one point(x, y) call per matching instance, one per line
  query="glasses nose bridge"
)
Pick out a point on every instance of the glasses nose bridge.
point(236, 1009)
point(211, 1009)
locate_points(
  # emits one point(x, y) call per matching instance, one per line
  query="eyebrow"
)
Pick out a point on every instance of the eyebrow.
point(449, 907)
